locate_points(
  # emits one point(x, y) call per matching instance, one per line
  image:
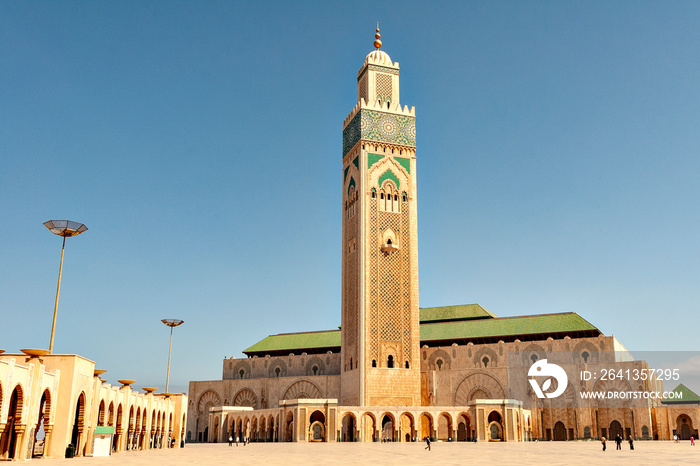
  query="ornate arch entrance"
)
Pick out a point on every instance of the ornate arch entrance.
point(615, 430)
point(348, 429)
point(388, 428)
point(368, 428)
point(317, 427)
point(495, 427)
point(444, 427)
point(426, 426)
point(463, 428)
point(42, 424)
point(407, 430)
point(8, 440)
point(559, 431)
point(78, 424)
point(684, 427)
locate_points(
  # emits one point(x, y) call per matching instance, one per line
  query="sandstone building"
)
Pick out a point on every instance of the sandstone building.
point(396, 372)
point(51, 404)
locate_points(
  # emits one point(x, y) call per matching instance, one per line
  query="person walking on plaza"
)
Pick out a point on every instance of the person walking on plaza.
point(230, 440)
point(427, 443)
point(618, 442)
point(237, 438)
point(602, 440)
point(631, 442)
point(692, 440)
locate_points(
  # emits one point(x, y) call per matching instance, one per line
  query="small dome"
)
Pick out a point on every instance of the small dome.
point(379, 57)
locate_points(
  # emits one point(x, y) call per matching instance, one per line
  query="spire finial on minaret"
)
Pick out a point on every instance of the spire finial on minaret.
point(377, 42)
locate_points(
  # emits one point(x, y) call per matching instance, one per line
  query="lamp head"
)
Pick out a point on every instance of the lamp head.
point(65, 228)
point(172, 322)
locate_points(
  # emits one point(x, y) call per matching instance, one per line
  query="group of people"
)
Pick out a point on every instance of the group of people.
point(230, 440)
point(618, 442)
point(677, 439)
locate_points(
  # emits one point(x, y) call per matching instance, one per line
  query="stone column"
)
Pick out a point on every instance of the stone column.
point(88, 441)
point(120, 439)
point(78, 449)
point(21, 443)
point(47, 440)
point(303, 428)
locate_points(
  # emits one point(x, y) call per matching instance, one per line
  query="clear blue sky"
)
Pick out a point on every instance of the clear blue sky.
point(200, 142)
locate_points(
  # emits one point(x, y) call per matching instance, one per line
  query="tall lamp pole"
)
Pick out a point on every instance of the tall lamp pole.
point(64, 228)
point(170, 323)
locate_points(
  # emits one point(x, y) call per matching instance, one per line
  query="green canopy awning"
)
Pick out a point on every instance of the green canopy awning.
point(102, 430)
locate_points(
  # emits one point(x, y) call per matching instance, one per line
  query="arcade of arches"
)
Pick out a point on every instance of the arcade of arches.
point(33, 423)
point(317, 420)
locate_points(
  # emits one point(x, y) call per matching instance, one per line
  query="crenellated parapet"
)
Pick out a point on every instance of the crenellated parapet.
point(378, 106)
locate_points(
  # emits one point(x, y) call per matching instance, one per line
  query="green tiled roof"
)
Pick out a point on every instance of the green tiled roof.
point(505, 326)
point(450, 313)
point(297, 341)
point(687, 396)
point(466, 329)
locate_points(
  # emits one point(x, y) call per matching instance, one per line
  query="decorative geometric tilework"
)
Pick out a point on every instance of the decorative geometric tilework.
point(372, 159)
point(378, 126)
point(351, 285)
point(373, 320)
point(383, 69)
point(356, 162)
point(389, 310)
point(384, 89)
point(363, 91)
point(351, 133)
point(405, 163)
point(389, 175)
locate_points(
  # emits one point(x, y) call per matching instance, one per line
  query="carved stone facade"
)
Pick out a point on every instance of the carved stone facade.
point(400, 373)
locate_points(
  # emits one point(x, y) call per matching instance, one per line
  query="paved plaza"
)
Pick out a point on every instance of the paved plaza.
point(545, 453)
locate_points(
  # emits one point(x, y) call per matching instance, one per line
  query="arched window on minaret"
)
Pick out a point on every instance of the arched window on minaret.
point(390, 361)
point(389, 198)
point(350, 202)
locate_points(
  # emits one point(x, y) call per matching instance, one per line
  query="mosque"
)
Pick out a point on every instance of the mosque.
point(397, 372)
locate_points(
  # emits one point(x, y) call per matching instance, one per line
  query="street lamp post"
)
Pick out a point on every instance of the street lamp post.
point(170, 323)
point(64, 228)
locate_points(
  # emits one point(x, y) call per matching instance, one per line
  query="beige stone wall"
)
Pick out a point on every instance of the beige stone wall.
point(281, 366)
point(259, 393)
point(24, 378)
point(458, 374)
point(672, 418)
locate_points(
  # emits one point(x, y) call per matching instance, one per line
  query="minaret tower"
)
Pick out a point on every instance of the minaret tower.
point(380, 323)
